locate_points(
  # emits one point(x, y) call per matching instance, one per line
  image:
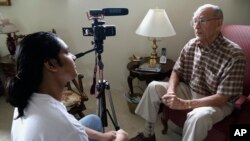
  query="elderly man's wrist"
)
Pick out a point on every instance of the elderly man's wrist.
point(170, 91)
point(188, 104)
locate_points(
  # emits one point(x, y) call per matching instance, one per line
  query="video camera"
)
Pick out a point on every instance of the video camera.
point(98, 29)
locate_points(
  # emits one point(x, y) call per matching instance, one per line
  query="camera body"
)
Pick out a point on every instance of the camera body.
point(99, 31)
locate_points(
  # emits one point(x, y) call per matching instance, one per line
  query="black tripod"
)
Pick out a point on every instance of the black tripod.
point(100, 32)
point(101, 87)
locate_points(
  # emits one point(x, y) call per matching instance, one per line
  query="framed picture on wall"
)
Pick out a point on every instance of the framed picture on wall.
point(5, 2)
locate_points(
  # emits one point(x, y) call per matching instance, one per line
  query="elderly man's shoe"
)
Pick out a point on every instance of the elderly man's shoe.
point(141, 137)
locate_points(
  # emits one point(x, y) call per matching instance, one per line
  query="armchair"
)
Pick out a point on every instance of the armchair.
point(74, 97)
point(239, 34)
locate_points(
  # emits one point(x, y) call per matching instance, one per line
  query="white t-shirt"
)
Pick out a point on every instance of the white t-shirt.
point(46, 119)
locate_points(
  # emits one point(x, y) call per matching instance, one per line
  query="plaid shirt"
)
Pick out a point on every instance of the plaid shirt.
point(216, 69)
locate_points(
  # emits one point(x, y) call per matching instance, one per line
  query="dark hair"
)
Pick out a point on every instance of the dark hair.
point(32, 52)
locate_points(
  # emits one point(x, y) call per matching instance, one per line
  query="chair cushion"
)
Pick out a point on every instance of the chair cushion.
point(240, 34)
point(70, 98)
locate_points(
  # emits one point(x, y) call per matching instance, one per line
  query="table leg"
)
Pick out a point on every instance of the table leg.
point(1, 88)
point(130, 84)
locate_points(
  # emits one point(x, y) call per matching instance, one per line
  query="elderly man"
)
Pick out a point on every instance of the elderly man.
point(207, 78)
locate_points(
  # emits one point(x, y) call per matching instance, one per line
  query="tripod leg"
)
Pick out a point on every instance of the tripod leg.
point(101, 111)
point(114, 119)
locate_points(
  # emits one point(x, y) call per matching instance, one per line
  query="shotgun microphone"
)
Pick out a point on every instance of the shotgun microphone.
point(108, 12)
point(114, 11)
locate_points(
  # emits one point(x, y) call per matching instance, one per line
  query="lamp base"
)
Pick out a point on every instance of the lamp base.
point(152, 61)
point(153, 56)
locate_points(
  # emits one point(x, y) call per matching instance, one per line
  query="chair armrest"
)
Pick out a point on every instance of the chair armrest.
point(239, 102)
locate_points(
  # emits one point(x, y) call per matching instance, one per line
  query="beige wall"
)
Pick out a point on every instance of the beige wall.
point(69, 16)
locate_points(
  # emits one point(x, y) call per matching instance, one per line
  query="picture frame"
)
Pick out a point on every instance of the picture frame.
point(5, 2)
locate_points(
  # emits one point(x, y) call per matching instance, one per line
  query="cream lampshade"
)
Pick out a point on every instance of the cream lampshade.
point(155, 24)
point(7, 27)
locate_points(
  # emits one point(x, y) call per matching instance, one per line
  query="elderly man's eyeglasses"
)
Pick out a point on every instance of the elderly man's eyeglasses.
point(201, 21)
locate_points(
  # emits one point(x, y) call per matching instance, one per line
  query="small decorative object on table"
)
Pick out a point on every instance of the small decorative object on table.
point(163, 58)
point(135, 58)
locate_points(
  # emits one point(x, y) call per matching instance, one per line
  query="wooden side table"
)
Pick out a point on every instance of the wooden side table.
point(7, 65)
point(147, 76)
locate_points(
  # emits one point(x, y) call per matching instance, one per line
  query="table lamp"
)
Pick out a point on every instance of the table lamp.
point(9, 29)
point(155, 24)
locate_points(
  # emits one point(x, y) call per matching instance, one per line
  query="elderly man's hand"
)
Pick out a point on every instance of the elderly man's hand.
point(173, 102)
